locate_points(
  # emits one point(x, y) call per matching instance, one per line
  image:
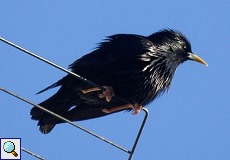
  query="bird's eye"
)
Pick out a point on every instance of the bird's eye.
point(185, 47)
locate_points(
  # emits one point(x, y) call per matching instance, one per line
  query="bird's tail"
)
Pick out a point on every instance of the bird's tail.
point(47, 121)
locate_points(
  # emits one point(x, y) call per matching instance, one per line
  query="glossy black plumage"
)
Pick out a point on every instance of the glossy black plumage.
point(138, 68)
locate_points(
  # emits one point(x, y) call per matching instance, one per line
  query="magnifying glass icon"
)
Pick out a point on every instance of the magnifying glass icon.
point(9, 147)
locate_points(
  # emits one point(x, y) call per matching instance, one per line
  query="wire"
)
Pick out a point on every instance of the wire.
point(139, 133)
point(59, 67)
point(31, 153)
point(66, 120)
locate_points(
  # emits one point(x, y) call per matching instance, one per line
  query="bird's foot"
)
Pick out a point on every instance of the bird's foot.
point(136, 108)
point(108, 93)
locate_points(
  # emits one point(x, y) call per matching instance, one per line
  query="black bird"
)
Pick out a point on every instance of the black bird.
point(134, 67)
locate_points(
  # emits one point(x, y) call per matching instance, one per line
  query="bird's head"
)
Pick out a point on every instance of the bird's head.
point(175, 46)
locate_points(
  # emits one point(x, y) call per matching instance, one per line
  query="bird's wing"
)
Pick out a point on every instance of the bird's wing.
point(117, 55)
point(115, 52)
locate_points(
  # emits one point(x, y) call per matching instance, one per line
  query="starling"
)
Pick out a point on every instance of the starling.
point(135, 67)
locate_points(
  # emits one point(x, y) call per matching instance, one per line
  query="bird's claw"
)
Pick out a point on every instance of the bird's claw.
point(108, 93)
point(136, 108)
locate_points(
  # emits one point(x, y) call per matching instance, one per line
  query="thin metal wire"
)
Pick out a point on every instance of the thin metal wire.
point(139, 133)
point(66, 120)
point(51, 63)
point(31, 153)
point(59, 67)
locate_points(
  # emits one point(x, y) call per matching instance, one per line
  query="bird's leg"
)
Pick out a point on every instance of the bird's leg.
point(108, 93)
point(85, 91)
point(136, 108)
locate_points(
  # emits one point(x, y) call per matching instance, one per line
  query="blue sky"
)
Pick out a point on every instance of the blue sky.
point(189, 122)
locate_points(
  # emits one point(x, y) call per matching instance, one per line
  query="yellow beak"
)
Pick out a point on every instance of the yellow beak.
point(196, 58)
